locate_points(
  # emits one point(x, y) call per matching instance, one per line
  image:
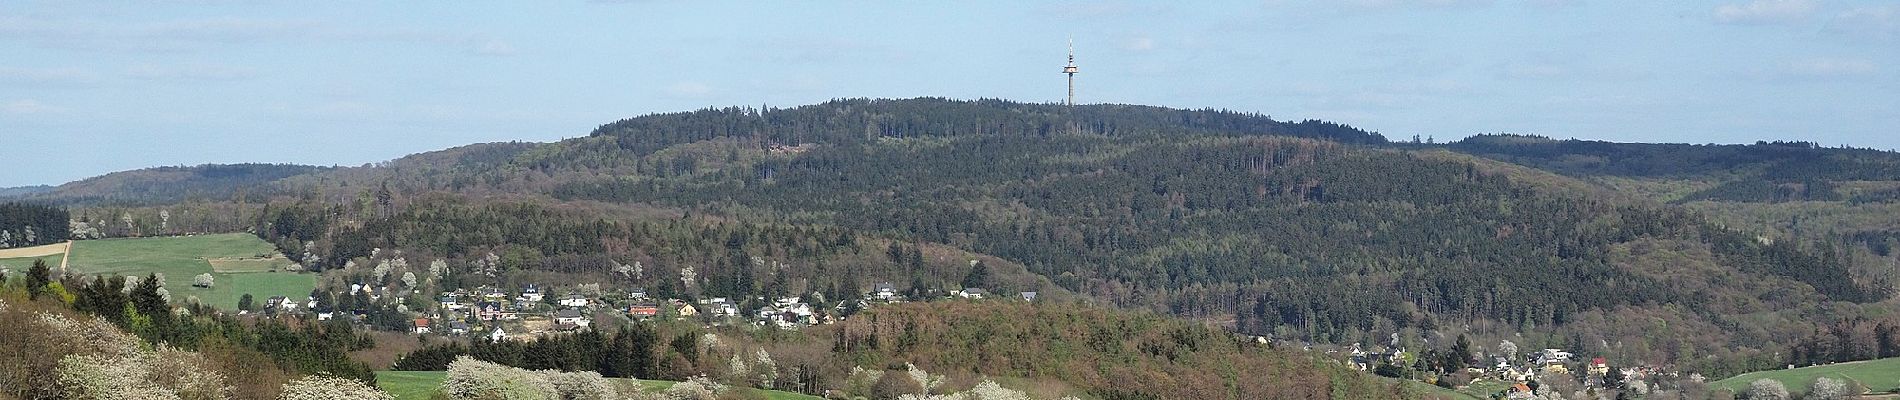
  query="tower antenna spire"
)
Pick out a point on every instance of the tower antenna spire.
point(1070, 70)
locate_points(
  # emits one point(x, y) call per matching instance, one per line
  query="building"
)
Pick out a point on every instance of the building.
point(643, 310)
point(1028, 296)
point(574, 300)
point(637, 294)
point(883, 291)
point(531, 294)
point(458, 328)
point(422, 325)
point(972, 293)
point(1599, 366)
point(571, 318)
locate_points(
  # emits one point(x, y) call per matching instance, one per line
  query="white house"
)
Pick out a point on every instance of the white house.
point(574, 300)
point(571, 317)
point(531, 294)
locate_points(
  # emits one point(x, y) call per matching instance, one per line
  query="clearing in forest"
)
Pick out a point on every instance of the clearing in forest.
point(246, 261)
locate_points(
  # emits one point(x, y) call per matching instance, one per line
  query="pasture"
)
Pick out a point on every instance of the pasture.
point(239, 264)
point(1879, 376)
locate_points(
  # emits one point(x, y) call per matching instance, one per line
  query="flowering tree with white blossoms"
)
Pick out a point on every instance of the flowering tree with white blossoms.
point(324, 387)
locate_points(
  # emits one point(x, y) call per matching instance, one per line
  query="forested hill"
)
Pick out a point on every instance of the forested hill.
point(861, 120)
point(164, 185)
point(1761, 172)
point(1310, 231)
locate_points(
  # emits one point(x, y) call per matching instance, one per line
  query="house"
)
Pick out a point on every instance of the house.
point(458, 328)
point(1553, 356)
point(490, 311)
point(574, 300)
point(490, 293)
point(637, 294)
point(1029, 296)
point(571, 318)
point(422, 325)
point(687, 310)
point(1599, 366)
point(1519, 391)
point(325, 315)
point(497, 335)
point(450, 302)
point(643, 310)
point(280, 304)
point(972, 293)
point(530, 294)
point(883, 291)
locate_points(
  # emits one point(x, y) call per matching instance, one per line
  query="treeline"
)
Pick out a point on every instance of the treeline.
point(1850, 339)
point(169, 185)
point(863, 120)
point(25, 224)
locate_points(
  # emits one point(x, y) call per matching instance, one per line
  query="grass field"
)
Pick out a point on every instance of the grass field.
point(19, 265)
point(181, 258)
point(1879, 376)
point(420, 385)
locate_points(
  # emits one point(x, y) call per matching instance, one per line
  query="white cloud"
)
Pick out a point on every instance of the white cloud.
point(1764, 12)
point(1879, 22)
point(1141, 44)
point(495, 48)
point(1429, 4)
point(689, 89)
point(27, 106)
point(189, 72)
point(1832, 67)
point(46, 76)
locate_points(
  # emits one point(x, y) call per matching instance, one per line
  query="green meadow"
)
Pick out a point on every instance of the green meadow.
point(245, 266)
point(1878, 376)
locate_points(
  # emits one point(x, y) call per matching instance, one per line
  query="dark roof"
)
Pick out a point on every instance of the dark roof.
point(568, 313)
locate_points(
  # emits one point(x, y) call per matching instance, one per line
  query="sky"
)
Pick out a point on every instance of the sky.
point(88, 88)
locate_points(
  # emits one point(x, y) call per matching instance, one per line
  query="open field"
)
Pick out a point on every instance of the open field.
point(19, 265)
point(1879, 376)
point(420, 385)
point(181, 258)
point(35, 251)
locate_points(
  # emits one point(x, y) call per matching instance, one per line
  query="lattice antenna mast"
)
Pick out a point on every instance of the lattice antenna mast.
point(1070, 70)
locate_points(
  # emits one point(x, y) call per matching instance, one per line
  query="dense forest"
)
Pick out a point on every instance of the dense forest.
point(1300, 231)
point(31, 224)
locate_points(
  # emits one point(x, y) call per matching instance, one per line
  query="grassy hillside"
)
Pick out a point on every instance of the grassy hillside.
point(181, 258)
point(1878, 376)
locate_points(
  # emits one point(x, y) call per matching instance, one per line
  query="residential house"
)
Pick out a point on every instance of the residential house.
point(687, 310)
point(458, 328)
point(571, 318)
point(325, 315)
point(1028, 296)
point(490, 311)
point(1599, 366)
point(1553, 356)
point(1519, 391)
point(643, 310)
point(574, 300)
point(422, 325)
point(972, 293)
point(493, 294)
point(883, 291)
point(449, 301)
point(530, 294)
point(637, 294)
point(497, 335)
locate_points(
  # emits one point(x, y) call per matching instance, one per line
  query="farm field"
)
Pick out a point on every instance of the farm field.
point(243, 265)
point(1879, 376)
point(420, 385)
point(19, 265)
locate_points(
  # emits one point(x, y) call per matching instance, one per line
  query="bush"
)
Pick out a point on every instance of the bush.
point(324, 387)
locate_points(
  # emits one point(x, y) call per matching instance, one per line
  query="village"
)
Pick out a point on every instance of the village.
point(1506, 373)
point(530, 312)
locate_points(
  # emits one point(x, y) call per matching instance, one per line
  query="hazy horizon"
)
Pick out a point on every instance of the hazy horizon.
point(98, 88)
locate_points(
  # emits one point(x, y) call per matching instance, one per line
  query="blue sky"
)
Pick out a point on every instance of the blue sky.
point(87, 89)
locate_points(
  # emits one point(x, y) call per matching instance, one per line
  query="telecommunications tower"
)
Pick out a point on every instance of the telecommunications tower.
point(1070, 70)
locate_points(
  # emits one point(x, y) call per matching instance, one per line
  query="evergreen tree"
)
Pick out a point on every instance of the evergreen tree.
point(979, 276)
point(37, 278)
point(246, 303)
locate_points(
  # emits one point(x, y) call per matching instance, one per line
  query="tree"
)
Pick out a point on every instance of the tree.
point(36, 279)
point(246, 303)
point(1508, 350)
point(1460, 354)
point(203, 280)
point(323, 387)
point(1767, 389)
point(979, 276)
point(1826, 388)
